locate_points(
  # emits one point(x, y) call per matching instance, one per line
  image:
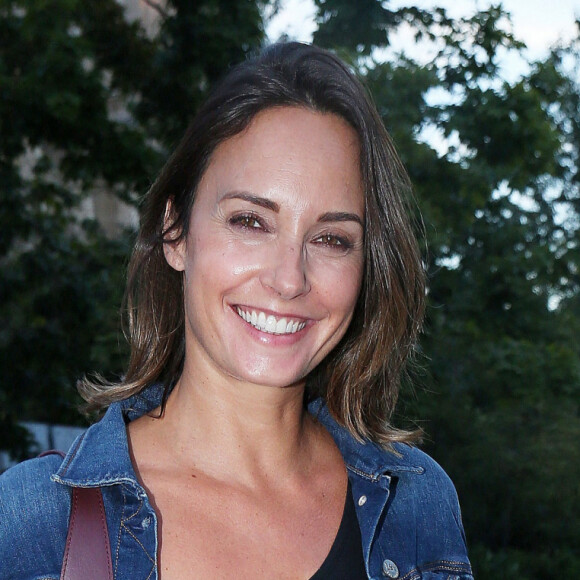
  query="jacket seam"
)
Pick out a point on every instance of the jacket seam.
point(118, 549)
point(137, 511)
point(439, 566)
point(128, 530)
point(369, 476)
point(66, 464)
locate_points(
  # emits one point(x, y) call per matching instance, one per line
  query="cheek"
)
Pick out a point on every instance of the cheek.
point(340, 285)
point(219, 261)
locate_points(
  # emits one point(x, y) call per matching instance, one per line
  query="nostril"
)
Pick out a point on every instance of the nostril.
point(286, 273)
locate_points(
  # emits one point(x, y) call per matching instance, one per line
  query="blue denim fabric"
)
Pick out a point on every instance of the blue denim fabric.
point(407, 507)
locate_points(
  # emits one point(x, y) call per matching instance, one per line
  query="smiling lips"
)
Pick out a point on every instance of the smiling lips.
point(269, 323)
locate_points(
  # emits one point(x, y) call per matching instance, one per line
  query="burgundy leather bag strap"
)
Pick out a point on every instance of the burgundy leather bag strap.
point(87, 554)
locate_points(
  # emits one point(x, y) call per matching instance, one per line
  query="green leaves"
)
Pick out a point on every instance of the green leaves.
point(360, 25)
point(195, 45)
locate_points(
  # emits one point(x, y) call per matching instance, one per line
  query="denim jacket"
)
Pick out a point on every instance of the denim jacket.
point(406, 505)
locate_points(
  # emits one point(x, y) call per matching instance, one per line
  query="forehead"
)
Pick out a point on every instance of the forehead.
point(290, 151)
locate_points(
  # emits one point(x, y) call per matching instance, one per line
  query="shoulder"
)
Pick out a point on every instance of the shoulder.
point(414, 460)
point(425, 494)
point(423, 528)
point(419, 488)
point(34, 514)
point(29, 485)
point(420, 480)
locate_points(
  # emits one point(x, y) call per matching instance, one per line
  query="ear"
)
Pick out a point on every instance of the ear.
point(173, 248)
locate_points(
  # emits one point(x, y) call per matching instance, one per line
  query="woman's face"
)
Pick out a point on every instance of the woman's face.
point(274, 256)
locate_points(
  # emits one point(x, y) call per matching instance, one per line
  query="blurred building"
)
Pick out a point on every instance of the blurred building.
point(46, 437)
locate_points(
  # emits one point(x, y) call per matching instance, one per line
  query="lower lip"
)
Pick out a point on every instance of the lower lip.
point(273, 339)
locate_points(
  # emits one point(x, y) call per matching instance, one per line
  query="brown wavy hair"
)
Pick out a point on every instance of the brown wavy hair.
point(360, 379)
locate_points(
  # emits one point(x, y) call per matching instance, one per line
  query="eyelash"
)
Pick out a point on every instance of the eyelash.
point(335, 242)
point(244, 220)
point(329, 240)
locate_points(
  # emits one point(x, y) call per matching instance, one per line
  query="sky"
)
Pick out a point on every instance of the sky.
point(537, 22)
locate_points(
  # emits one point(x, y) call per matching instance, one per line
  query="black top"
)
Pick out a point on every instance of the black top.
point(345, 560)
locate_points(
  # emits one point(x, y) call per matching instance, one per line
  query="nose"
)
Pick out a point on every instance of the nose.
point(286, 273)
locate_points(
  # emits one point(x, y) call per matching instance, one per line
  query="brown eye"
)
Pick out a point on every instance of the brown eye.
point(247, 221)
point(333, 241)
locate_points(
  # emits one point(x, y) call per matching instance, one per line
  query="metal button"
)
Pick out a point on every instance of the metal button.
point(390, 569)
point(362, 500)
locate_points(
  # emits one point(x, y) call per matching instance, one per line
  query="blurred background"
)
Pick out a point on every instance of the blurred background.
point(95, 93)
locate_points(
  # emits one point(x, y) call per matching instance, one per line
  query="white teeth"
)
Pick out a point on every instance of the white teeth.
point(270, 323)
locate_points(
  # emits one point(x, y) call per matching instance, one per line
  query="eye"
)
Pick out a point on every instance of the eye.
point(247, 221)
point(334, 241)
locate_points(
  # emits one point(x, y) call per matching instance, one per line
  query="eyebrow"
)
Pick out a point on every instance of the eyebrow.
point(341, 216)
point(331, 216)
point(261, 201)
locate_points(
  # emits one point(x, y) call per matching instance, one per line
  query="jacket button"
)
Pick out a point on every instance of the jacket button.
point(362, 500)
point(390, 569)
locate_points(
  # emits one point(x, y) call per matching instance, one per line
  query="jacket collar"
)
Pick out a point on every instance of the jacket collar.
point(100, 456)
point(367, 458)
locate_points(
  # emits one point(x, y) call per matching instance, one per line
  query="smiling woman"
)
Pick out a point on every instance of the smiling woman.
point(274, 295)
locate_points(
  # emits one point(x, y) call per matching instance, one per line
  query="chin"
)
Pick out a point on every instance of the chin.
point(269, 376)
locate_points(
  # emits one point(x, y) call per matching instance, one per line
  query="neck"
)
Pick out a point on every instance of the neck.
point(253, 431)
